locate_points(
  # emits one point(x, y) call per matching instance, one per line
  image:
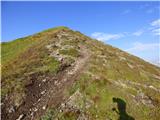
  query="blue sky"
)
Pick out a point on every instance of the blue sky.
point(130, 26)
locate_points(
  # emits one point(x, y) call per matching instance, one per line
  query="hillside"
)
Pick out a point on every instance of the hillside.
point(61, 74)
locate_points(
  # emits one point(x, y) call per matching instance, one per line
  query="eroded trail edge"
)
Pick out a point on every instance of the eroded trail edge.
point(51, 92)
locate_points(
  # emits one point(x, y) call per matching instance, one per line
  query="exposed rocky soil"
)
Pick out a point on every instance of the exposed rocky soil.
point(48, 90)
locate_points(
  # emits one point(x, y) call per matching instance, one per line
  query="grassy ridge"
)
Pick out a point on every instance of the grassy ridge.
point(110, 73)
point(24, 56)
point(99, 83)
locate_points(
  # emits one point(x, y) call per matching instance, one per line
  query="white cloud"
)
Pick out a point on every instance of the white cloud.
point(106, 36)
point(155, 27)
point(138, 33)
point(156, 31)
point(156, 23)
point(146, 51)
point(137, 47)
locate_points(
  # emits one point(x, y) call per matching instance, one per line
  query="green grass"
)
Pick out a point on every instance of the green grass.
point(52, 113)
point(101, 93)
point(54, 29)
point(25, 56)
point(52, 65)
point(101, 90)
point(11, 50)
point(70, 42)
point(22, 57)
point(29, 55)
point(49, 115)
point(70, 52)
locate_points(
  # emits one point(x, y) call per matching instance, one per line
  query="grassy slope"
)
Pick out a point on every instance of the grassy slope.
point(25, 56)
point(116, 69)
point(107, 65)
point(12, 49)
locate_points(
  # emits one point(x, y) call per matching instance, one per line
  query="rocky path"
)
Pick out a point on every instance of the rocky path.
point(51, 91)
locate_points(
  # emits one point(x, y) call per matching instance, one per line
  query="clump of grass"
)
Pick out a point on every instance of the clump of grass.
point(70, 115)
point(70, 52)
point(68, 61)
point(74, 88)
point(53, 65)
point(70, 42)
point(49, 115)
point(53, 114)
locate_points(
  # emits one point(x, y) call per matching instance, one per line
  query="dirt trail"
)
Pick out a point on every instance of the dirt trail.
point(51, 91)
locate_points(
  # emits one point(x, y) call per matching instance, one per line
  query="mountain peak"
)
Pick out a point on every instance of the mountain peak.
point(59, 28)
point(62, 74)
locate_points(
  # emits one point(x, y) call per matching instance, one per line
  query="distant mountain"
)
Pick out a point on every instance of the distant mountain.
point(61, 74)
